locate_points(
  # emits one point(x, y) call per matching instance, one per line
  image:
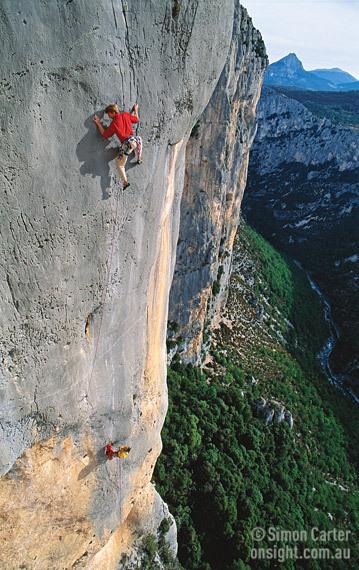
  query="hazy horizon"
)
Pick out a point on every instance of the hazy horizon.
point(322, 33)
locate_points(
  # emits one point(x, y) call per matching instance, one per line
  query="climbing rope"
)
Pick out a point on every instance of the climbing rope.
point(105, 291)
point(103, 300)
point(120, 487)
point(109, 267)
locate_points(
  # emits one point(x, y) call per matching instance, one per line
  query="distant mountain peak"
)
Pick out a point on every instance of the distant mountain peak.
point(291, 57)
point(289, 72)
point(335, 75)
point(291, 62)
point(331, 69)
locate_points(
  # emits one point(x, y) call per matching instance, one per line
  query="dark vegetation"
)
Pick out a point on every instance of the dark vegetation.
point(196, 130)
point(176, 8)
point(341, 108)
point(329, 237)
point(224, 472)
point(260, 48)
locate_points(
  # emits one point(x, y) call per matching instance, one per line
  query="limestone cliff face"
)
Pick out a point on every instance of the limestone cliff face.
point(86, 268)
point(288, 132)
point(216, 171)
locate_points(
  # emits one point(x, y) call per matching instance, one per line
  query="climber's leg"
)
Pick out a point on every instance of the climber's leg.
point(135, 143)
point(139, 149)
point(121, 162)
point(132, 145)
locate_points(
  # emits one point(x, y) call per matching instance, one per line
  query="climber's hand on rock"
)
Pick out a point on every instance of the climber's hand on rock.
point(96, 119)
point(135, 107)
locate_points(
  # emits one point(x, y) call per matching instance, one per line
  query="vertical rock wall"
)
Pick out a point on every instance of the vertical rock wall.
point(216, 171)
point(85, 268)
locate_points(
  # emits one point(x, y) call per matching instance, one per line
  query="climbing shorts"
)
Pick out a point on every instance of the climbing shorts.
point(126, 149)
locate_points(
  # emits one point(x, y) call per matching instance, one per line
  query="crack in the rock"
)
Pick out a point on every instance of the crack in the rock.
point(15, 302)
point(127, 41)
point(114, 14)
point(35, 401)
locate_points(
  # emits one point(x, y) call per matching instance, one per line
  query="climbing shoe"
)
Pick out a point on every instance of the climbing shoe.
point(139, 162)
point(126, 185)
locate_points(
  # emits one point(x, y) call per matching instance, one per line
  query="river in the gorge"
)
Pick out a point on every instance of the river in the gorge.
point(325, 352)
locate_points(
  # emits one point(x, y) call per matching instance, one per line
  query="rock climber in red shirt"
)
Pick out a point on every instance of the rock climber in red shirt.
point(109, 451)
point(121, 126)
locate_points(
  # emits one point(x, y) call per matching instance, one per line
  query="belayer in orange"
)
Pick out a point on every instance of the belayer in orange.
point(121, 453)
point(121, 126)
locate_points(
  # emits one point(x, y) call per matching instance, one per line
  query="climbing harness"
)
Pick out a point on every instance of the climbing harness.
point(126, 148)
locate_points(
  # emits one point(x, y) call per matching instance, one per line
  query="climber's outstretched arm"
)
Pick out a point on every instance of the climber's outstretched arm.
point(97, 122)
point(107, 133)
point(134, 113)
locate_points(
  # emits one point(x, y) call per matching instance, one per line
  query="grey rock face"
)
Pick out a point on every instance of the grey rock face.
point(151, 525)
point(85, 277)
point(294, 134)
point(268, 416)
point(216, 170)
point(280, 416)
point(260, 405)
point(271, 409)
point(289, 419)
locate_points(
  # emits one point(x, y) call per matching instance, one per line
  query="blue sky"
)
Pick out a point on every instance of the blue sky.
point(323, 33)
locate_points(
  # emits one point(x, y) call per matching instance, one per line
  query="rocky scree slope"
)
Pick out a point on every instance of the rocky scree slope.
point(340, 108)
point(86, 268)
point(302, 194)
point(215, 177)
